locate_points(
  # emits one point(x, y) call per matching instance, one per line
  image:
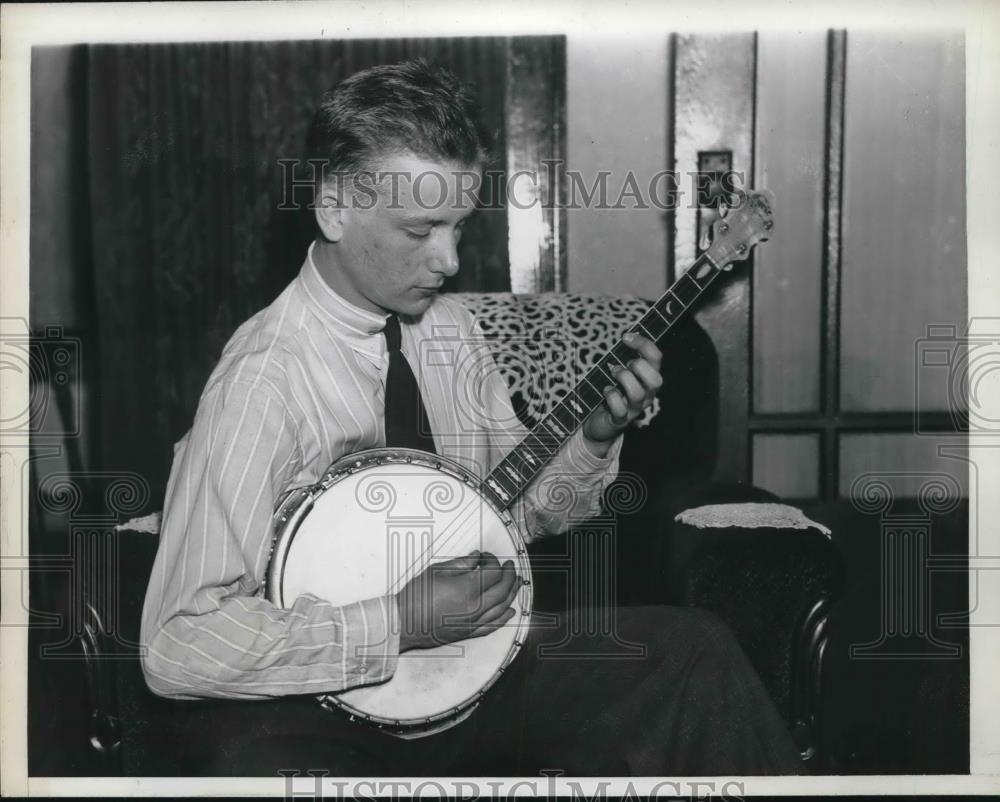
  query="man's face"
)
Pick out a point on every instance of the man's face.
point(399, 238)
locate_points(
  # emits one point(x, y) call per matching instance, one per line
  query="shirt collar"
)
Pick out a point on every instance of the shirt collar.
point(361, 329)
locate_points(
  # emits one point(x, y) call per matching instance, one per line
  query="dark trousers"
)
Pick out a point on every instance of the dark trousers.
point(670, 693)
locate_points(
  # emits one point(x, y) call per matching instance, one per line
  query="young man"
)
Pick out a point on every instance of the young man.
point(305, 382)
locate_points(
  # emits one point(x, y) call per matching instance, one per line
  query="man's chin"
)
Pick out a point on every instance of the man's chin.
point(414, 307)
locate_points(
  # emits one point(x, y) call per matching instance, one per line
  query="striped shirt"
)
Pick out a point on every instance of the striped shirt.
point(299, 385)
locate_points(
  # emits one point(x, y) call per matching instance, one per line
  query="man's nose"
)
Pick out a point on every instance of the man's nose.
point(445, 261)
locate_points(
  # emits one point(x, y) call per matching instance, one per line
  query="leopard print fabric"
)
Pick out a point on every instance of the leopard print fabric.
point(544, 344)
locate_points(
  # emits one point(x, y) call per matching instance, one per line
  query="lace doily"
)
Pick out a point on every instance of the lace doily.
point(150, 524)
point(748, 516)
point(544, 344)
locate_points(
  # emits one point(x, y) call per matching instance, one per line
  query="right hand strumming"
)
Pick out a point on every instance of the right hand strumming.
point(465, 597)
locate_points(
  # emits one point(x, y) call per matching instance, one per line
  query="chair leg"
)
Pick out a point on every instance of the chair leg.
point(808, 652)
point(105, 732)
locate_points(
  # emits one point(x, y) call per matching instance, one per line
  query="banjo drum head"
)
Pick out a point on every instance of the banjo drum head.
point(380, 520)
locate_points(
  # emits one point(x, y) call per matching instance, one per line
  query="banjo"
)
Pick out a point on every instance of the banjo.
point(378, 518)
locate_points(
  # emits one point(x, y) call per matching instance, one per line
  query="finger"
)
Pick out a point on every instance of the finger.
point(645, 347)
point(502, 590)
point(635, 393)
point(616, 404)
point(494, 613)
point(492, 626)
point(489, 564)
point(496, 598)
point(486, 575)
point(648, 375)
point(458, 565)
point(515, 588)
point(491, 612)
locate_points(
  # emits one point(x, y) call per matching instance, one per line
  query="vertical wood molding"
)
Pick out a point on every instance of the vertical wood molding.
point(832, 193)
point(535, 112)
point(713, 107)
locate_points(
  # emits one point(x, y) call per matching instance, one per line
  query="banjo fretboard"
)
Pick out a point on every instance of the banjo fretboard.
point(516, 471)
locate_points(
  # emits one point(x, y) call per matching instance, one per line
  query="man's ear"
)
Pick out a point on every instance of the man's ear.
point(330, 209)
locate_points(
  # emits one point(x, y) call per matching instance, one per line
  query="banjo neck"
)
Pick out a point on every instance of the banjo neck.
point(524, 462)
point(734, 235)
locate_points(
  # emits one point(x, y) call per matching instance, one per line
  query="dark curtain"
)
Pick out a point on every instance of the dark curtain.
point(185, 185)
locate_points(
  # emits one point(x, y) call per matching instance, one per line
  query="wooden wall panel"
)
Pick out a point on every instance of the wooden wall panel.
point(904, 254)
point(788, 270)
point(787, 464)
point(616, 251)
point(909, 460)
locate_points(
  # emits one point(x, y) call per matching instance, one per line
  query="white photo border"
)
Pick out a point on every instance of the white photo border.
point(24, 26)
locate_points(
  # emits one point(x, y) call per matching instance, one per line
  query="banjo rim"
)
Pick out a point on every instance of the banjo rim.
point(294, 507)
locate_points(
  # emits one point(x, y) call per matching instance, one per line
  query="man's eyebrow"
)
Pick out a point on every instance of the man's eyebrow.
point(427, 220)
point(419, 220)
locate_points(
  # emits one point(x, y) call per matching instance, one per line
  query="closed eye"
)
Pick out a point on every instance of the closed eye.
point(417, 233)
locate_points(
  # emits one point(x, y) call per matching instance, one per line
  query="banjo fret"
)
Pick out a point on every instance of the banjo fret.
point(498, 489)
point(514, 474)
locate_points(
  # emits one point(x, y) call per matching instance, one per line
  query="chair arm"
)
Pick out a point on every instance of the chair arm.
point(102, 700)
point(775, 588)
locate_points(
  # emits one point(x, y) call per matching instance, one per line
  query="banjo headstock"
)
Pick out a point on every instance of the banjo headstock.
point(749, 221)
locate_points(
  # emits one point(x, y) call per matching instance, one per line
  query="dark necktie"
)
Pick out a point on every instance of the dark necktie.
point(406, 423)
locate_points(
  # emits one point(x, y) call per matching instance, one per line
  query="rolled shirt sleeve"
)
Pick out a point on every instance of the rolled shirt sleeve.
point(206, 629)
point(569, 489)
